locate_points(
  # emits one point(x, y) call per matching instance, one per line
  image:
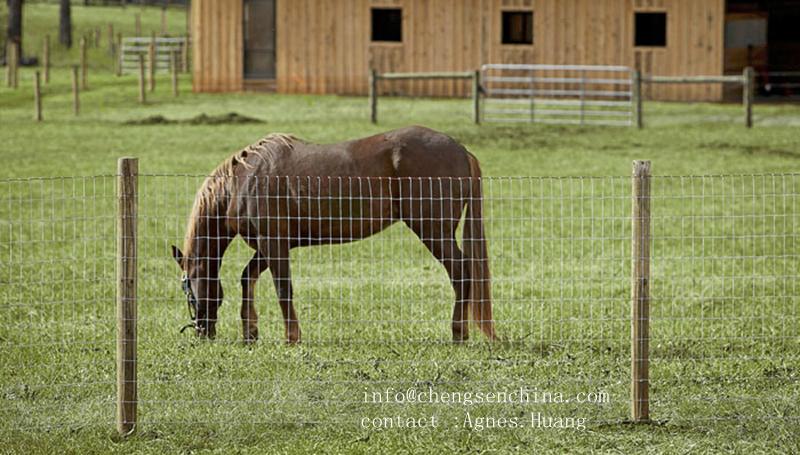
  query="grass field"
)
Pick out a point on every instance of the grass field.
point(726, 326)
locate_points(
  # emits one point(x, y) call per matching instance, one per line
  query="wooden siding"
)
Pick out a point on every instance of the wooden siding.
point(217, 56)
point(323, 46)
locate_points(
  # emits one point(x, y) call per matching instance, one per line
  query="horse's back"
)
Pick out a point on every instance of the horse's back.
point(422, 152)
point(375, 181)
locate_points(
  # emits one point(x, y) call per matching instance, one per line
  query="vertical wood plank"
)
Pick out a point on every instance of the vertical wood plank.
point(127, 206)
point(640, 292)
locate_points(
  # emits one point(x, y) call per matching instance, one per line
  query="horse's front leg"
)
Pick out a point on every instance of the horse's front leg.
point(282, 277)
point(250, 275)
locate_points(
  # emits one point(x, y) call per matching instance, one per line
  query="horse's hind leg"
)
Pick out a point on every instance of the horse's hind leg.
point(439, 238)
point(250, 275)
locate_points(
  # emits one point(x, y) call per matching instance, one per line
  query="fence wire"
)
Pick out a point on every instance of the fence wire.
point(376, 314)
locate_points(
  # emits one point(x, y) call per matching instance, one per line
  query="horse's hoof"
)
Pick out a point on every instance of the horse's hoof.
point(292, 340)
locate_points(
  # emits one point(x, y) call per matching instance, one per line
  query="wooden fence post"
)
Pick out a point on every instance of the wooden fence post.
point(127, 202)
point(151, 53)
point(373, 96)
point(46, 59)
point(636, 93)
point(76, 102)
point(112, 45)
point(9, 68)
point(173, 60)
point(163, 21)
point(97, 37)
point(747, 95)
point(137, 26)
point(185, 55)
point(12, 61)
point(142, 92)
point(476, 97)
point(84, 66)
point(37, 98)
point(640, 292)
point(118, 56)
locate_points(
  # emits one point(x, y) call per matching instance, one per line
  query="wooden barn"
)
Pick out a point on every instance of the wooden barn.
point(329, 46)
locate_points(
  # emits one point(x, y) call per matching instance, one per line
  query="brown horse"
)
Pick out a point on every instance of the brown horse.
point(281, 193)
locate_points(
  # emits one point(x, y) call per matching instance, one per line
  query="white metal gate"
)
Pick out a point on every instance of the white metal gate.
point(561, 94)
point(133, 47)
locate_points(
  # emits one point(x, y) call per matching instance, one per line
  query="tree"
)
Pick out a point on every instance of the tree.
point(65, 24)
point(14, 32)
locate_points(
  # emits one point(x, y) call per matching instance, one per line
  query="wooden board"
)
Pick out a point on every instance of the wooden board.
point(324, 46)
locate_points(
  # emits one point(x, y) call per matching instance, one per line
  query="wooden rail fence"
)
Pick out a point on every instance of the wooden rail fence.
point(163, 48)
point(375, 77)
point(747, 79)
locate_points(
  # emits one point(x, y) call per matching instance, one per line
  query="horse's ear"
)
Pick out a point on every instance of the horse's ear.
point(178, 255)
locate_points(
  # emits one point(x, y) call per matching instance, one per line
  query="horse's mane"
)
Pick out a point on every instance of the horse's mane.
point(215, 187)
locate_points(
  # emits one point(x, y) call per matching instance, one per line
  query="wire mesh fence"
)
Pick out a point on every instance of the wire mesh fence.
point(377, 314)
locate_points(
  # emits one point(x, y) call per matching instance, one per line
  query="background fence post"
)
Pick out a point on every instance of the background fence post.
point(636, 93)
point(747, 95)
point(137, 24)
point(151, 53)
point(373, 96)
point(185, 55)
point(118, 55)
point(46, 59)
point(476, 97)
point(11, 65)
point(127, 202)
point(142, 92)
point(76, 101)
point(84, 66)
point(112, 45)
point(640, 292)
point(173, 61)
point(37, 97)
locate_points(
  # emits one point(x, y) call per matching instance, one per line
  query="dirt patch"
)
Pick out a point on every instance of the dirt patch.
point(231, 118)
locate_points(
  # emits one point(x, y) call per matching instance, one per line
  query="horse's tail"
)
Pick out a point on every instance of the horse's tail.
point(474, 243)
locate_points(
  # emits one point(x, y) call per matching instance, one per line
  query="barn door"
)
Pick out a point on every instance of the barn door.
point(259, 39)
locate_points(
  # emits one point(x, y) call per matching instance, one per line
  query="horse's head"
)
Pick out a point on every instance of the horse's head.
point(203, 294)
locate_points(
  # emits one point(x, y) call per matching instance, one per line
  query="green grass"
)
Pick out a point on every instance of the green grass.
point(725, 341)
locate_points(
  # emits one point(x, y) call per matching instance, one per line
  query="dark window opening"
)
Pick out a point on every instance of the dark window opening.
point(517, 27)
point(651, 29)
point(387, 24)
point(259, 39)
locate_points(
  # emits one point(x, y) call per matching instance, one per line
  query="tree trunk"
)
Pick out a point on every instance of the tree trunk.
point(14, 32)
point(65, 24)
